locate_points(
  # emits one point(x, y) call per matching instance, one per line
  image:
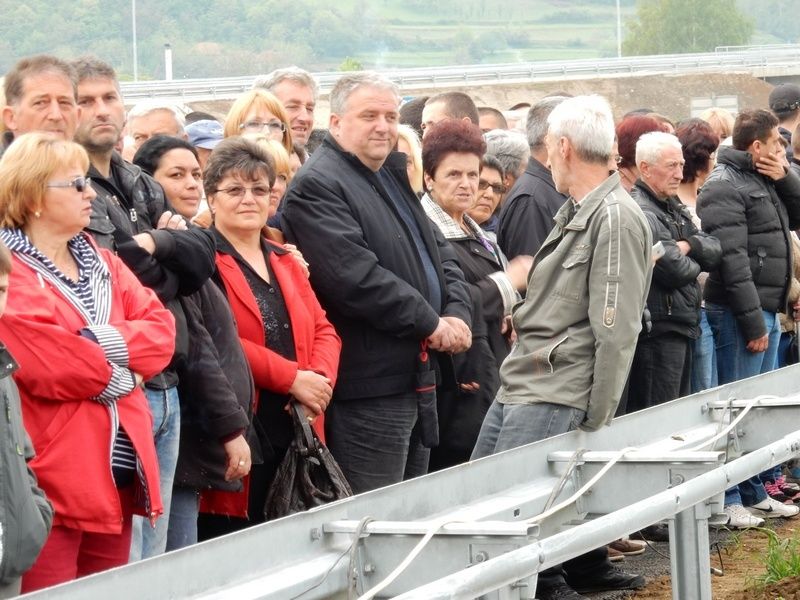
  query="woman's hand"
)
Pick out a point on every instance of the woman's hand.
point(518, 269)
point(298, 256)
point(312, 390)
point(238, 452)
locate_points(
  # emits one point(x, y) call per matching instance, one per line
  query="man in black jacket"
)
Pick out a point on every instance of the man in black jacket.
point(130, 216)
point(662, 364)
point(526, 216)
point(750, 202)
point(385, 275)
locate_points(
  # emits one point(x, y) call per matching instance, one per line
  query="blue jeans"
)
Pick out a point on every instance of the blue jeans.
point(508, 426)
point(149, 541)
point(735, 362)
point(704, 365)
point(183, 513)
point(376, 440)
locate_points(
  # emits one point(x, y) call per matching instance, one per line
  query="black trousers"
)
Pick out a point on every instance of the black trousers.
point(661, 371)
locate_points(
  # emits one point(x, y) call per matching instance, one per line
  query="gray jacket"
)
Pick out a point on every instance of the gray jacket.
point(25, 514)
point(578, 326)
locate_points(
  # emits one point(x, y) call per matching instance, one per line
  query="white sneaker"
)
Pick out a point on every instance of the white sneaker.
point(740, 518)
point(771, 509)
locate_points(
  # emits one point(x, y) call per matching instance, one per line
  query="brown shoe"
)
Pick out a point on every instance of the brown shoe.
point(614, 555)
point(627, 547)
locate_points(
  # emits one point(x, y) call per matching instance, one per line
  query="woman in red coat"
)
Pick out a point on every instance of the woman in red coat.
point(85, 334)
point(292, 348)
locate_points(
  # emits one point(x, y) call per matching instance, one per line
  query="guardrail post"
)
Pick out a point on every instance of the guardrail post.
point(689, 553)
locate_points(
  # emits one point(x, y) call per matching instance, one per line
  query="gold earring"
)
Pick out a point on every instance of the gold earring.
point(37, 214)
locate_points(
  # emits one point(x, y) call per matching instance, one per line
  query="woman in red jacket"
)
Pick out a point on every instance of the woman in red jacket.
point(85, 334)
point(292, 348)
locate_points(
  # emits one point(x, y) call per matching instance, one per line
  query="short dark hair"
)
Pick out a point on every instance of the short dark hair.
point(411, 113)
point(240, 156)
point(488, 110)
point(629, 130)
point(198, 115)
point(148, 156)
point(91, 67)
point(447, 137)
point(14, 82)
point(699, 142)
point(751, 125)
point(5, 260)
point(458, 104)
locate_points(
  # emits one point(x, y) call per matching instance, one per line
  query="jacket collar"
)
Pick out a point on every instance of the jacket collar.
point(590, 203)
point(393, 162)
point(739, 159)
point(539, 171)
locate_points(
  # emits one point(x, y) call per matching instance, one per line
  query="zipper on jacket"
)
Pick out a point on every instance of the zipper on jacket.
point(669, 305)
point(134, 216)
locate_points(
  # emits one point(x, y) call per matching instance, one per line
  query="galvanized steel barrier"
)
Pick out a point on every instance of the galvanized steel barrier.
point(483, 519)
point(780, 60)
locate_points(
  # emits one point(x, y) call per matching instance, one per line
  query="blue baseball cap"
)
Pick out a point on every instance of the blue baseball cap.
point(204, 134)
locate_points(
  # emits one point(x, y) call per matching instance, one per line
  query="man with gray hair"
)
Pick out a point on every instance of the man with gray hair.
point(527, 213)
point(148, 119)
point(297, 91)
point(662, 364)
point(511, 149)
point(388, 281)
point(577, 327)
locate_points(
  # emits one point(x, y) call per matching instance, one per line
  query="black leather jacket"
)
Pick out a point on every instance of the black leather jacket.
point(674, 296)
point(751, 216)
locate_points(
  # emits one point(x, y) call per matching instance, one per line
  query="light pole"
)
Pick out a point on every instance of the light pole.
point(135, 53)
point(619, 31)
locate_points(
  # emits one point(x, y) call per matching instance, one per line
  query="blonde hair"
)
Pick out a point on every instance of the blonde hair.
point(259, 99)
point(276, 150)
point(410, 137)
point(25, 169)
point(721, 121)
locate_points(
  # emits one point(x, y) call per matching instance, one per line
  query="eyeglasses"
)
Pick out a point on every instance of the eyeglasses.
point(79, 183)
point(260, 126)
point(497, 188)
point(238, 191)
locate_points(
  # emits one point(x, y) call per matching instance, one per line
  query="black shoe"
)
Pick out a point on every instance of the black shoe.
point(560, 591)
point(608, 580)
point(659, 532)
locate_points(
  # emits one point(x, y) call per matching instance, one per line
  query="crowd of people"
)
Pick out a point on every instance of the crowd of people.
point(430, 283)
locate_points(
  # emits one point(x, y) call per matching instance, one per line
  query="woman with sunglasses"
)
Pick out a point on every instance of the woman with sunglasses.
point(86, 334)
point(451, 163)
point(292, 349)
point(258, 111)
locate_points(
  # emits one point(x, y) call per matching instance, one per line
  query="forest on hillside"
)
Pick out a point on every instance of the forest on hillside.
point(211, 38)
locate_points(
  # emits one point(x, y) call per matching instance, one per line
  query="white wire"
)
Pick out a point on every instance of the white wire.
point(733, 423)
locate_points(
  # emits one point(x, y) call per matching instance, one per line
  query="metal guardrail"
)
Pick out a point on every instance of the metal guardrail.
point(223, 88)
point(495, 538)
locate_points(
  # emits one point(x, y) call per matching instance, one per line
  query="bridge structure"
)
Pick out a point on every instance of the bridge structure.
point(774, 64)
point(486, 528)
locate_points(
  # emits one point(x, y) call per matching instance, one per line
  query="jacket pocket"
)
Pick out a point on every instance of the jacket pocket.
point(545, 358)
point(574, 280)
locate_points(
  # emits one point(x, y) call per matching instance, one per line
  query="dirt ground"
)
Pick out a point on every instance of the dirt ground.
point(741, 563)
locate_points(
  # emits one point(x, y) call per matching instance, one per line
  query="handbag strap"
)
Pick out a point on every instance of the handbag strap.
point(306, 441)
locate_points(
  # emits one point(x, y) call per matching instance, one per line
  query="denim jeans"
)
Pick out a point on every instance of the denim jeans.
point(375, 440)
point(735, 362)
point(508, 426)
point(183, 513)
point(704, 359)
point(166, 409)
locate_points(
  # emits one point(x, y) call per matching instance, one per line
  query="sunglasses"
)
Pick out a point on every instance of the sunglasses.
point(79, 183)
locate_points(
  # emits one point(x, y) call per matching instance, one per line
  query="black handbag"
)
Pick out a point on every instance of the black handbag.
point(308, 476)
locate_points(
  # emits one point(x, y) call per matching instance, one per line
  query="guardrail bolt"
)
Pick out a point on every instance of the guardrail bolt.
point(481, 556)
point(369, 568)
point(316, 533)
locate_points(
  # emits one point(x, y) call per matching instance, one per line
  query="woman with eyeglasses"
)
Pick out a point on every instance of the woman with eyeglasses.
point(491, 190)
point(283, 175)
point(86, 334)
point(258, 111)
point(451, 163)
point(292, 349)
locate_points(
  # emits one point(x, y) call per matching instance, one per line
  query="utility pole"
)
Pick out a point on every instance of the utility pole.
point(619, 31)
point(135, 53)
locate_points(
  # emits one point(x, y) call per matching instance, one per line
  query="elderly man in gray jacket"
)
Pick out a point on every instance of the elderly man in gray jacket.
point(578, 326)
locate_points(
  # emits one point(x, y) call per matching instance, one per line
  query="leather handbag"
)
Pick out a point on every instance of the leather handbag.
point(308, 476)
